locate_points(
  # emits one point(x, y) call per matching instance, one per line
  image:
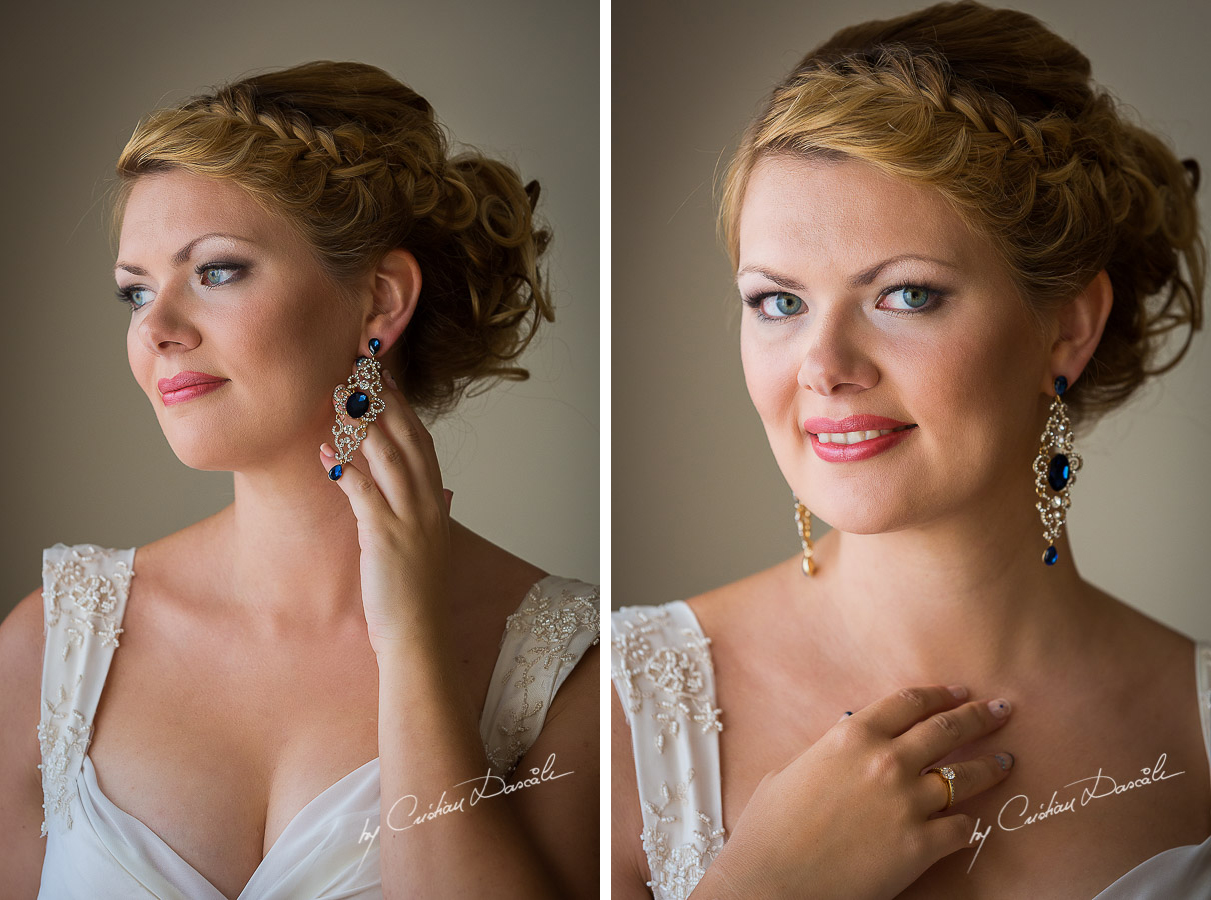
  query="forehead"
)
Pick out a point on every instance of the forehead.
point(844, 213)
point(167, 209)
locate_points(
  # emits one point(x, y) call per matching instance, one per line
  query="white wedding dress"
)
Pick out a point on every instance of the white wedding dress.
point(96, 851)
point(662, 672)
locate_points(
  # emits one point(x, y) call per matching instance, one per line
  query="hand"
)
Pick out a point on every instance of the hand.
point(850, 817)
point(403, 523)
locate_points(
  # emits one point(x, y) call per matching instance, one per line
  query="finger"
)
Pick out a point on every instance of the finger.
point(401, 423)
point(845, 715)
point(946, 731)
point(399, 469)
point(894, 714)
point(367, 500)
point(972, 777)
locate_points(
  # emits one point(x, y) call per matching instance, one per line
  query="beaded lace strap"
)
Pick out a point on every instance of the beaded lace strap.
point(84, 591)
point(661, 669)
point(558, 621)
point(1203, 660)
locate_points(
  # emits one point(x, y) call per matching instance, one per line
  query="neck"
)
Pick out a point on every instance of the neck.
point(291, 545)
point(961, 600)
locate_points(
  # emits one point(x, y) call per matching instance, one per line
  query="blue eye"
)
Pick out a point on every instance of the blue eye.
point(778, 305)
point(915, 297)
point(127, 295)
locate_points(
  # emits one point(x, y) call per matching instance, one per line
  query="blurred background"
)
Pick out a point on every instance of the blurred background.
point(698, 500)
point(85, 460)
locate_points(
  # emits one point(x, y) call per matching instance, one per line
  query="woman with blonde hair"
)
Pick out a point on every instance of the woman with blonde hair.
point(953, 251)
point(330, 688)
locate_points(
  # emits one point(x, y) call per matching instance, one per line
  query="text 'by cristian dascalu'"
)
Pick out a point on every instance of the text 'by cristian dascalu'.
point(1014, 816)
point(488, 786)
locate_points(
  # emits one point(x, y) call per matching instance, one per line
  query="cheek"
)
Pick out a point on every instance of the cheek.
point(770, 373)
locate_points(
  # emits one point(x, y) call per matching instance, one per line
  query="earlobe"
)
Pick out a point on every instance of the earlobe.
point(1081, 322)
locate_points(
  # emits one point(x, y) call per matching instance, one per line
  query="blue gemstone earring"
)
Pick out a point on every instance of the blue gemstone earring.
point(360, 398)
point(1056, 471)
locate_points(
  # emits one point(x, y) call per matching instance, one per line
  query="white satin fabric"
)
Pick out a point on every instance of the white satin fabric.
point(96, 851)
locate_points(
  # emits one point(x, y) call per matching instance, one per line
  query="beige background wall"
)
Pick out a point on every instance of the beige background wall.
point(698, 499)
point(83, 457)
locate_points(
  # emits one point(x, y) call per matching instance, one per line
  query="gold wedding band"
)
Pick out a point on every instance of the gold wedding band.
point(948, 775)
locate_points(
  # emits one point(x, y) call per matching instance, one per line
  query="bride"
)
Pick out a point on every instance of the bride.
point(951, 250)
point(330, 687)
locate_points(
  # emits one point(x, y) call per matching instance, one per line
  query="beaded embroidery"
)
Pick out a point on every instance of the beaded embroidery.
point(551, 623)
point(78, 602)
point(676, 673)
point(677, 870)
point(73, 588)
point(657, 660)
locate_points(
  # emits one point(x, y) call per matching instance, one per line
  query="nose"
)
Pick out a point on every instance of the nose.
point(166, 324)
point(837, 358)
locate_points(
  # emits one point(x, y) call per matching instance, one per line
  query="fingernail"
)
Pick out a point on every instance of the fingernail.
point(1005, 759)
point(958, 690)
point(327, 449)
point(999, 708)
point(387, 377)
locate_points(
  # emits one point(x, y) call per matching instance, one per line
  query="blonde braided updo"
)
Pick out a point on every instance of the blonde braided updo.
point(356, 163)
point(999, 114)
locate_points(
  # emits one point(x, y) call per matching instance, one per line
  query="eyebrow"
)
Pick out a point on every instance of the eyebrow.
point(182, 256)
point(863, 278)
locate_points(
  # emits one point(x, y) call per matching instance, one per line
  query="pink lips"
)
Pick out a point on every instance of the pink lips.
point(861, 450)
point(187, 385)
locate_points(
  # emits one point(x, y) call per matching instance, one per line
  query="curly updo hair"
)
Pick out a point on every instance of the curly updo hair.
point(1000, 115)
point(356, 163)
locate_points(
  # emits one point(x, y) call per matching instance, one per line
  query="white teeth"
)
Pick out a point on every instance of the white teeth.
point(855, 437)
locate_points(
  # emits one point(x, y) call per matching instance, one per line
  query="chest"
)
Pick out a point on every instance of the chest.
point(1064, 824)
point(217, 742)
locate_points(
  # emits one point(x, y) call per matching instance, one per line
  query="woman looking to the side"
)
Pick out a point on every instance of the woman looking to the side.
point(292, 685)
point(938, 226)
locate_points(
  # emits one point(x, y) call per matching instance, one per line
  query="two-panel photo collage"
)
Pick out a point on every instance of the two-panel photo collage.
point(636, 449)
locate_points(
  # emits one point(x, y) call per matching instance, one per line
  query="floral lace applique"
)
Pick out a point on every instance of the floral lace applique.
point(91, 599)
point(677, 674)
point(552, 623)
point(60, 732)
point(78, 603)
point(676, 870)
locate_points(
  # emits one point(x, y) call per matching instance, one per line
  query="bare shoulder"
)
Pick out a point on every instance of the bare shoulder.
point(22, 641)
point(744, 609)
point(490, 580)
point(21, 648)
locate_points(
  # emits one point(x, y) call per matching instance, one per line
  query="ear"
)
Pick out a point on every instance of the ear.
point(394, 289)
point(1079, 324)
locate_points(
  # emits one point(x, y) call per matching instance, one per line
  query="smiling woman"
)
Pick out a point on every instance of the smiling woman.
point(302, 256)
point(951, 249)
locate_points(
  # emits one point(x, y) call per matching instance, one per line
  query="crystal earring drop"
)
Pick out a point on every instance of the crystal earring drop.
point(1055, 470)
point(359, 397)
point(803, 523)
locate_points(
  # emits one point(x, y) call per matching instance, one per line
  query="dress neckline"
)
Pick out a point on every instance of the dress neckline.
point(88, 775)
point(1202, 693)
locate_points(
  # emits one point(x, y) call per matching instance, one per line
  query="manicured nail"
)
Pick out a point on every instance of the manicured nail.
point(999, 708)
point(387, 377)
point(327, 449)
point(1005, 759)
point(958, 690)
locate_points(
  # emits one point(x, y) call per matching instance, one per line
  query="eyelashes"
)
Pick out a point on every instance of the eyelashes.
point(778, 306)
point(126, 295)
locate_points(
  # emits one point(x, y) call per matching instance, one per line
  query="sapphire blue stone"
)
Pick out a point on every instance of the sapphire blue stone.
point(1050, 555)
point(357, 405)
point(374, 345)
point(1061, 385)
point(1058, 472)
point(335, 472)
